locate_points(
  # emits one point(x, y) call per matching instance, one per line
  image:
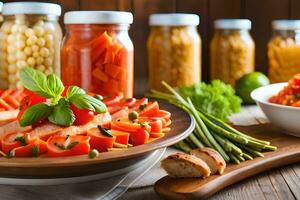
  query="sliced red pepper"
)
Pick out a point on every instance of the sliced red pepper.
point(121, 137)
point(150, 110)
point(99, 141)
point(57, 147)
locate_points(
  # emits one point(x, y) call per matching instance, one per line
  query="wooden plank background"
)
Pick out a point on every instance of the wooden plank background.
point(260, 12)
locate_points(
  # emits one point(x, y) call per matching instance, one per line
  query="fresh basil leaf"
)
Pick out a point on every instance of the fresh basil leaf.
point(35, 151)
point(35, 81)
point(84, 101)
point(62, 114)
point(74, 90)
point(55, 85)
point(35, 113)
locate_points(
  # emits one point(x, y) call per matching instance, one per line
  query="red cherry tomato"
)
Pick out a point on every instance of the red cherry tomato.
point(82, 116)
point(111, 100)
point(99, 141)
point(29, 100)
point(56, 145)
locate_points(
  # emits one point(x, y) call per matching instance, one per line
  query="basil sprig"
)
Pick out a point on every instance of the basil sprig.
point(57, 108)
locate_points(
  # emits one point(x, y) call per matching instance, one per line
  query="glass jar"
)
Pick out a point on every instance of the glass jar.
point(30, 36)
point(1, 16)
point(232, 50)
point(174, 50)
point(284, 50)
point(97, 52)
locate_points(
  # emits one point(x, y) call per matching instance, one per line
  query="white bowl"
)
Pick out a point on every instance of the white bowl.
point(285, 117)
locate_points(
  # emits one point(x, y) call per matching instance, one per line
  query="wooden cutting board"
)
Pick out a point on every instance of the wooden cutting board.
point(288, 152)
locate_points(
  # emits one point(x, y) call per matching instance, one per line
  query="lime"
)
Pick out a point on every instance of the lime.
point(249, 82)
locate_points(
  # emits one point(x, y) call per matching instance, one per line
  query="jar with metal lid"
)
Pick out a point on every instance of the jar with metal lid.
point(284, 50)
point(97, 52)
point(174, 50)
point(1, 16)
point(30, 36)
point(232, 50)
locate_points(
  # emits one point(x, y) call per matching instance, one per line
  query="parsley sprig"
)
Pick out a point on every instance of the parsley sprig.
point(57, 108)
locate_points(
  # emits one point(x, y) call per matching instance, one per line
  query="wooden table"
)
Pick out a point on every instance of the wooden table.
point(282, 183)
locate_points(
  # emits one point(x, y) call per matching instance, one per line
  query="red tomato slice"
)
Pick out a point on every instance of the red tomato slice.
point(82, 147)
point(151, 109)
point(162, 114)
point(28, 150)
point(111, 100)
point(139, 137)
point(99, 141)
point(129, 102)
point(82, 116)
point(121, 137)
point(29, 100)
point(138, 102)
point(128, 126)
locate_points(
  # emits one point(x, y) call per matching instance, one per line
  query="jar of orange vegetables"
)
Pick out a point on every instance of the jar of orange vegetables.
point(97, 52)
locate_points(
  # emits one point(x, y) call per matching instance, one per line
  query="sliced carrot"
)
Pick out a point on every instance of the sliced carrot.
point(113, 70)
point(109, 56)
point(98, 74)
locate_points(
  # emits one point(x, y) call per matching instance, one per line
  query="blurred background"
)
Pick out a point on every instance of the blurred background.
point(261, 13)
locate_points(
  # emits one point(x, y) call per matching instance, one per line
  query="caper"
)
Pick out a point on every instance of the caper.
point(93, 153)
point(133, 115)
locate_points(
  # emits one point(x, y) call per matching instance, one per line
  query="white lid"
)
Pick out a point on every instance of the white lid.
point(232, 24)
point(31, 8)
point(98, 17)
point(174, 19)
point(1, 6)
point(286, 24)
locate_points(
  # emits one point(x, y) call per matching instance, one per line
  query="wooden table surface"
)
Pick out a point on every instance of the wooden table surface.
point(282, 183)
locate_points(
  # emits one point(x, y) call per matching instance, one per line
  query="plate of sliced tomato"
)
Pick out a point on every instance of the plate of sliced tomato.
point(136, 129)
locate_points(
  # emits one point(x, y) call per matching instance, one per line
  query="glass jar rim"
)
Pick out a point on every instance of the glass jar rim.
point(232, 24)
point(286, 24)
point(174, 19)
point(98, 17)
point(15, 8)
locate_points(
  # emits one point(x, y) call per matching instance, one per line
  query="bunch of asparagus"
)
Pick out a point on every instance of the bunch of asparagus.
point(233, 145)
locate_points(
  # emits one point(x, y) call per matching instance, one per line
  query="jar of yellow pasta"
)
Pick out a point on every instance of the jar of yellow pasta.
point(30, 37)
point(174, 50)
point(231, 50)
point(284, 50)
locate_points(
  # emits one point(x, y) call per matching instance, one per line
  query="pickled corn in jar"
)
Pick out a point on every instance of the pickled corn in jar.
point(174, 50)
point(232, 50)
point(30, 36)
point(284, 50)
point(97, 52)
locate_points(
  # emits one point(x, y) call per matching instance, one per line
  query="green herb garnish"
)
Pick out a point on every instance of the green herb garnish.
point(57, 109)
point(105, 131)
point(297, 95)
point(70, 146)
point(22, 140)
point(216, 98)
point(35, 151)
point(10, 154)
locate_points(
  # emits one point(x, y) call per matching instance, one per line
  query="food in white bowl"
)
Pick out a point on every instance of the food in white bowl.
point(271, 98)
